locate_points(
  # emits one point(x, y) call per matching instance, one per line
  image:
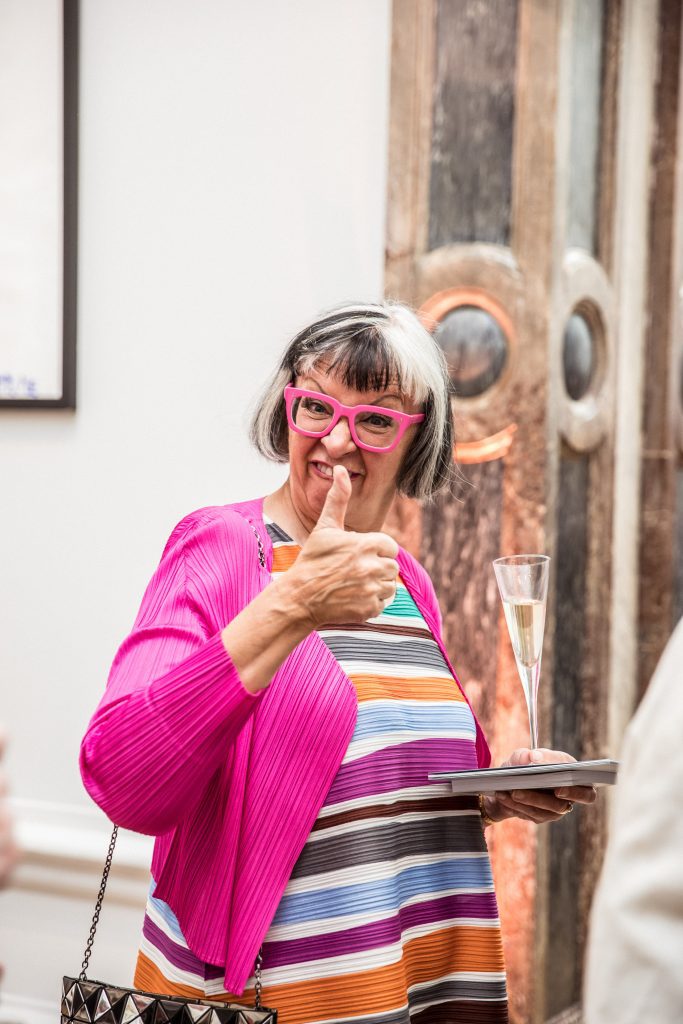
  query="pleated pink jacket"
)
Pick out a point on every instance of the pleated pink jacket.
point(229, 782)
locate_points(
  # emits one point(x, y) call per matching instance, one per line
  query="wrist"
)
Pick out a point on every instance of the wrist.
point(284, 597)
point(484, 810)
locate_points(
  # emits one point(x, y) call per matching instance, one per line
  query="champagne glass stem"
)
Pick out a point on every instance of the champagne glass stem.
point(529, 675)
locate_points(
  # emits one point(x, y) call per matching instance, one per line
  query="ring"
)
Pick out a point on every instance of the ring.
point(568, 808)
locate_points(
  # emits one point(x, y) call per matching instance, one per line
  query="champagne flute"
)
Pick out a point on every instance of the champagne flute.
point(523, 585)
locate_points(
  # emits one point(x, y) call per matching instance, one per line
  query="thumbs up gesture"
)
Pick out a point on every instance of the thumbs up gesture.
point(342, 576)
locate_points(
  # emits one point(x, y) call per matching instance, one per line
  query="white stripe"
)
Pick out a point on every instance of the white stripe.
point(482, 976)
point(169, 970)
point(158, 919)
point(365, 824)
point(446, 705)
point(367, 1017)
point(374, 872)
point(393, 639)
point(433, 790)
point(384, 670)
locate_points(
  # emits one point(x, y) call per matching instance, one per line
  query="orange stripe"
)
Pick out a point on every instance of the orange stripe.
point(371, 687)
point(149, 978)
point(426, 958)
point(285, 557)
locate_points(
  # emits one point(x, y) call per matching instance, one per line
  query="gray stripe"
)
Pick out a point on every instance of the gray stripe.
point(424, 654)
point(444, 991)
point(391, 841)
point(392, 1017)
point(277, 534)
point(439, 993)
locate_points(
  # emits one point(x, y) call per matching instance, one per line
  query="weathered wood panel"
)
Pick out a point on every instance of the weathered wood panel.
point(473, 126)
point(564, 954)
point(460, 538)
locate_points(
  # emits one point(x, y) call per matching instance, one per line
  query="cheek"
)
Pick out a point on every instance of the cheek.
point(382, 470)
point(299, 449)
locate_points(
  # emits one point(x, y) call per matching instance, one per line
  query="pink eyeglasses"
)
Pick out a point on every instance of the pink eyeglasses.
point(372, 427)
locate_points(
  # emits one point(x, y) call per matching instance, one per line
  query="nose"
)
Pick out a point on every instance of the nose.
point(339, 441)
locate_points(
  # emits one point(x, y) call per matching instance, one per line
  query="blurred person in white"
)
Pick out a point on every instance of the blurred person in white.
point(634, 968)
point(8, 847)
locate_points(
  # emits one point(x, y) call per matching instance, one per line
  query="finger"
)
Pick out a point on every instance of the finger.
point(389, 569)
point(545, 756)
point(386, 593)
point(382, 544)
point(338, 497)
point(577, 794)
point(520, 756)
point(535, 800)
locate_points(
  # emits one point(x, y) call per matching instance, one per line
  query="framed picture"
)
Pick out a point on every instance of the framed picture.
point(38, 202)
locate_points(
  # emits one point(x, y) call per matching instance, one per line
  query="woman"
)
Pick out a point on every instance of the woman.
point(274, 725)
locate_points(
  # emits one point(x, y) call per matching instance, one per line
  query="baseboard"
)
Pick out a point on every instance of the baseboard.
point(21, 1010)
point(63, 850)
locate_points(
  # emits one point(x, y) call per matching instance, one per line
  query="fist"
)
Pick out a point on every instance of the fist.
point(342, 576)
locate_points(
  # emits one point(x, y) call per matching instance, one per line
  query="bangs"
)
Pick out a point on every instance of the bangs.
point(362, 361)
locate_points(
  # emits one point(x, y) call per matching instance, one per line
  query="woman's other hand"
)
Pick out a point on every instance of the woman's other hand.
point(538, 805)
point(342, 576)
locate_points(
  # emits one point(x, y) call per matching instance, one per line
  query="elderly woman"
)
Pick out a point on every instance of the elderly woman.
point(281, 701)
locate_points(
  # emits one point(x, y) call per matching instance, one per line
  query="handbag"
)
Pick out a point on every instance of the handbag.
point(97, 1002)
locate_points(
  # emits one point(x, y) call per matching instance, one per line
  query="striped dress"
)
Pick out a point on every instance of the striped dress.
point(390, 915)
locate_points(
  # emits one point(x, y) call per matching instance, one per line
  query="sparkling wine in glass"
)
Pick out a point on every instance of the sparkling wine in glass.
point(523, 585)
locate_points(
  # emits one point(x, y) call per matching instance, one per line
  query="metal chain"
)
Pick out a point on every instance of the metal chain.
point(110, 854)
point(98, 905)
point(258, 987)
point(261, 550)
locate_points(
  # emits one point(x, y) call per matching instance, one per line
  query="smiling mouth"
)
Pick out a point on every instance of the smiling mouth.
point(326, 471)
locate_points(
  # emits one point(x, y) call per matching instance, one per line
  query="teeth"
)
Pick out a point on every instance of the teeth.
point(325, 470)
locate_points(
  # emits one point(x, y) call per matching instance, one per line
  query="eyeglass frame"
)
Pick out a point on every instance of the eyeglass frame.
point(339, 410)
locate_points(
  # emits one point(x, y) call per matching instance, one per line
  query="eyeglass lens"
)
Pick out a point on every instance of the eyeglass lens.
point(378, 429)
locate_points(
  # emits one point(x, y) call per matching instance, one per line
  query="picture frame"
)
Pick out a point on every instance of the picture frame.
point(39, 205)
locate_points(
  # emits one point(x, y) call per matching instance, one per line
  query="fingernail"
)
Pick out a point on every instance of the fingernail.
point(536, 756)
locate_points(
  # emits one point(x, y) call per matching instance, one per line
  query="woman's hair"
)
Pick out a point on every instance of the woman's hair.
point(367, 346)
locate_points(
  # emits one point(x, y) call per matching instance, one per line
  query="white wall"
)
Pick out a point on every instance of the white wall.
point(232, 183)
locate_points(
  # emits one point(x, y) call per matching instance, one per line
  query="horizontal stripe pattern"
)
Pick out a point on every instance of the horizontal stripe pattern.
point(390, 915)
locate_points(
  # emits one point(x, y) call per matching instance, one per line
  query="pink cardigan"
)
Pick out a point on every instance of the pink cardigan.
point(230, 782)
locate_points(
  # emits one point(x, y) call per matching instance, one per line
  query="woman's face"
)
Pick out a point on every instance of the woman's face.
point(373, 474)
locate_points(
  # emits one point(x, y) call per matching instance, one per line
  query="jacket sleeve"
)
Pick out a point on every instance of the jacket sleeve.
point(174, 701)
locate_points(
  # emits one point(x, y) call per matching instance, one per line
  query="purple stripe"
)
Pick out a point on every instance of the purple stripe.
point(379, 933)
point(404, 766)
point(177, 955)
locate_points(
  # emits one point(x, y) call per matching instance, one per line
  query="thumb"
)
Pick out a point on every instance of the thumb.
point(338, 496)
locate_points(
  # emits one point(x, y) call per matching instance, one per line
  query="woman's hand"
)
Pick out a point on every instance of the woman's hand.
point(537, 805)
point(341, 576)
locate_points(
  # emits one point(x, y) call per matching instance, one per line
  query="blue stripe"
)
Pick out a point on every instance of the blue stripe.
point(165, 912)
point(387, 893)
point(403, 605)
point(375, 719)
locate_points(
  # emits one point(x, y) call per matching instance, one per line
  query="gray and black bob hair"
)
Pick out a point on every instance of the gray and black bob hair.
point(366, 347)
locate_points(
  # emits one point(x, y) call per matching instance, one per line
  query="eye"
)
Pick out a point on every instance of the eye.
point(316, 408)
point(376, 419)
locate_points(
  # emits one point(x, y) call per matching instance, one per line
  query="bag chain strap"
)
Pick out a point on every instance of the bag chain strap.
point(258, 987)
